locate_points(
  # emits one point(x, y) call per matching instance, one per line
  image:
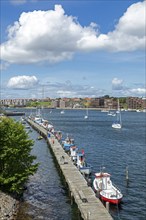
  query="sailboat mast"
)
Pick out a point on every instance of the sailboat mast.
point(119, 110)
point(87, 110)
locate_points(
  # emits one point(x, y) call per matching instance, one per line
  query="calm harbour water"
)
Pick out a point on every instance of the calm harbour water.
point(46, 198)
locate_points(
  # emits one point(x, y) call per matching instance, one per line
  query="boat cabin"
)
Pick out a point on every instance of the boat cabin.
point(103, 180)
point(73, 152)
point(80, 159)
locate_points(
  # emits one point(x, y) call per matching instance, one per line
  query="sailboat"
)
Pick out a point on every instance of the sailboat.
point(111, 113)
point(38, 118)
point(86, 116)
point(118, 123)
point(62, 112)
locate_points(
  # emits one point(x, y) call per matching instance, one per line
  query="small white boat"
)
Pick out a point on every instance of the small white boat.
point(38, 119)
point(107, 191)
point(73, 153)
point(22, 120)
point(67, 143)
point(39, 137)
point(118, 123)
point(104, 110)
point(62, 112)
point(83, 167)
point(110, 113)
point(86, 116)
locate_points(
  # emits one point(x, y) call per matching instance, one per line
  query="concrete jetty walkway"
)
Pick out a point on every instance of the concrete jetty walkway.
point(89, 205)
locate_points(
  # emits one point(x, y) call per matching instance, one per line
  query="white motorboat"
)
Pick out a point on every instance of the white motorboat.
point(83, 167)
point(73, 152)
point(67, 143)
point(107, 191)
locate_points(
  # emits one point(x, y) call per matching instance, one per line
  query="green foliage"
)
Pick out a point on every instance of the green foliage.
point(32, 104)
point(86, 104)
point(16, 162)
point(123, 100)
point(38, 104)
point(106, 96)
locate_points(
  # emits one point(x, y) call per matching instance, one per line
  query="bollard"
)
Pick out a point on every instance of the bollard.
point(127, 176)
point(71, 198)
point(107, 206)
point(62, 160)
point(88, 215)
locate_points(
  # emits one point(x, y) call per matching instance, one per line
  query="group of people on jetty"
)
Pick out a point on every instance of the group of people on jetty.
point(102, 185)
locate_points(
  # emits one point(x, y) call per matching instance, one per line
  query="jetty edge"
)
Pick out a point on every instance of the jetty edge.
point(90, 207)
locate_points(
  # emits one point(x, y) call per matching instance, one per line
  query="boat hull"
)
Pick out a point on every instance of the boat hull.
point(85, 170)
point(113, 201)
point(116, 125)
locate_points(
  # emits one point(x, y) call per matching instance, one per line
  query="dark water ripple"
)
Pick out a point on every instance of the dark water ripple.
point(104, 146)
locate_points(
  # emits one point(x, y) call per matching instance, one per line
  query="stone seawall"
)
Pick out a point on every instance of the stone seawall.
point(8, 207)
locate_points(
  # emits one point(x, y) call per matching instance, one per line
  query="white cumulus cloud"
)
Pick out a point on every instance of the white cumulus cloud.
point(22, 82)
point(117, 84)
point(138, 91)
point(129, 34)
point(52, 36)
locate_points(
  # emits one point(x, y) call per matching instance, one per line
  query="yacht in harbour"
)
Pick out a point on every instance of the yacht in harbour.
point(118, 123)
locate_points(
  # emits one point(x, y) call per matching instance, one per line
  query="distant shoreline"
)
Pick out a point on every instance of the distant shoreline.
point(68, 108)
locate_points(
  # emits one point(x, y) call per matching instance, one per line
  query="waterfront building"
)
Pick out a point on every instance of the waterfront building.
point(134, 103)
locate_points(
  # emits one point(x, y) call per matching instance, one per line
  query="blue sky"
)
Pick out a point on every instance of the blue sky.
point(72, 48)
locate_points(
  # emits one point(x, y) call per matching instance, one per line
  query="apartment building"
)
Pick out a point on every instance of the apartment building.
point(134, 103)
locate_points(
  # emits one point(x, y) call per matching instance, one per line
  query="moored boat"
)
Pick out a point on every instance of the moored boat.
point(73, 152)
point(118, 123)
point(83, 167)
point(107, 191)
point(40, 137)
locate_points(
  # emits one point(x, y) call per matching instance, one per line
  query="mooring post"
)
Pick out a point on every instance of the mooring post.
point(127, 175)
point(107, 206)
point(71, 198)
point(88, 215)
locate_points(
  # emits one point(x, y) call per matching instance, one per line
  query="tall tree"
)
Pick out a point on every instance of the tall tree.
point(16, 161)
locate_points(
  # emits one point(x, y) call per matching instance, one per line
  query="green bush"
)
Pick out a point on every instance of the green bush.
point(16, 161)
